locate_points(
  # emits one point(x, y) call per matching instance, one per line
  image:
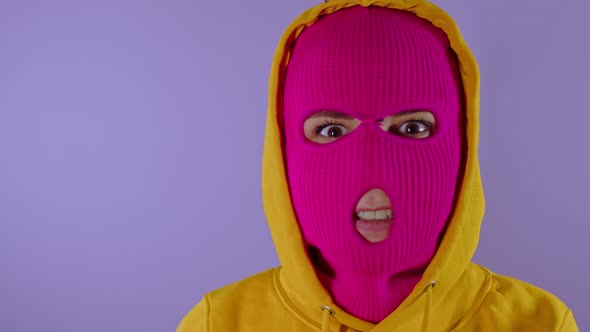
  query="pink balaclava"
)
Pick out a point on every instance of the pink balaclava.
point(371, 62)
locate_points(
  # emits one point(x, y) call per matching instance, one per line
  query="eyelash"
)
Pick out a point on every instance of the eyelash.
point(422, 119)
point(325, 123)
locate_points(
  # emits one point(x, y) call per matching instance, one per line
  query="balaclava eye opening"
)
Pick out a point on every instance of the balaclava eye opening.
point(371, 62)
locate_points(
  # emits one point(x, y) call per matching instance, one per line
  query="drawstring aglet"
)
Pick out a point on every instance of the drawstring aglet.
point(427, 305)
point(327, 312)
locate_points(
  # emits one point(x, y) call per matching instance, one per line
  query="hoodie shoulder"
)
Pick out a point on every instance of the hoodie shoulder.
point(251, 304)
point(515, 305)
point(218, 309)
point(246, 290)
point(197, 319)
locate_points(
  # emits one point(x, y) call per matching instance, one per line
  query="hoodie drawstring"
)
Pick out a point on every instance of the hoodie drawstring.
point(327, 312)
point(427, 305)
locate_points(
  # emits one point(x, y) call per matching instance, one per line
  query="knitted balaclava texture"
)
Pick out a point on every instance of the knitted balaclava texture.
point(371, 62)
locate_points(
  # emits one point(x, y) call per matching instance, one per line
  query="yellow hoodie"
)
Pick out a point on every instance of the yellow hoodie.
point(464, 297)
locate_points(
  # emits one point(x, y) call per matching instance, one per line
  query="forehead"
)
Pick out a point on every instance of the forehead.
point(330, 114)
point(370, 60)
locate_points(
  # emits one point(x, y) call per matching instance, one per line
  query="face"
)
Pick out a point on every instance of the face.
point(372, 176)
point(373, 212)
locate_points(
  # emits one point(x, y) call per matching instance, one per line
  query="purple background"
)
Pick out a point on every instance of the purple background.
point(131, 139)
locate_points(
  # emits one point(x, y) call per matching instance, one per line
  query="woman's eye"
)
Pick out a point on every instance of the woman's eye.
point(332, 131)
point(414, 129)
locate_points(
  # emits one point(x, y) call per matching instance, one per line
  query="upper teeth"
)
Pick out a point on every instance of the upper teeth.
point(375, 215)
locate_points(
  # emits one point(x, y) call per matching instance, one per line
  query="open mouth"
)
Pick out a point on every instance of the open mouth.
point(374, 216)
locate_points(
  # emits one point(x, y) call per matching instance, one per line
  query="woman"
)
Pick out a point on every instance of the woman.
point(371, 185)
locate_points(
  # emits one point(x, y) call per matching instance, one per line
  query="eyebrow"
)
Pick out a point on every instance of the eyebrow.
point(331, 114)
point(338, 115)
point(410, 112)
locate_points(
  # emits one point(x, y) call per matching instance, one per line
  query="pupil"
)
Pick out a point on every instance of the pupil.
point(333, 132)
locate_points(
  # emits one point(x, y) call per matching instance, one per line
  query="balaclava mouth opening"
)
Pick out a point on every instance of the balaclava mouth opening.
point(368, 63)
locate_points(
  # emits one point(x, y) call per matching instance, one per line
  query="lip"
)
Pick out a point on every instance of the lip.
point(375, 199)
point(374, 230)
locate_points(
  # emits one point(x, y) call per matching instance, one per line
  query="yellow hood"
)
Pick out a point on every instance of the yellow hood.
point(297, 275)
point(466, 297)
